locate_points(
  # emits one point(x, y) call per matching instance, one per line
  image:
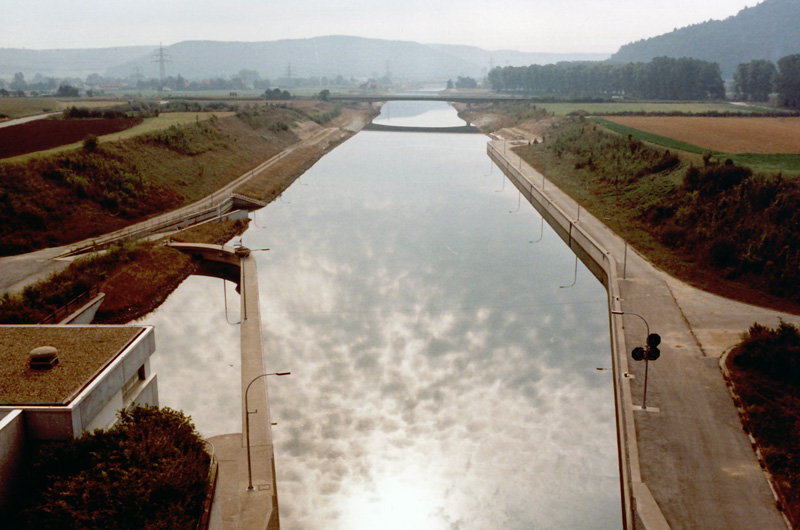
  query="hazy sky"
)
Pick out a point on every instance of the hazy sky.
point(527, 25)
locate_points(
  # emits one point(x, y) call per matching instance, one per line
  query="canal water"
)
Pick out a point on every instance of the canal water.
point(444, 353)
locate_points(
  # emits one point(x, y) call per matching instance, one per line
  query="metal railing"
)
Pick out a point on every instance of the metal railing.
point(70, 307)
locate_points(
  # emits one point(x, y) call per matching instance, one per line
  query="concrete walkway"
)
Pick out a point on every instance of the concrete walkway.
point(689, 463)
point(246, 496)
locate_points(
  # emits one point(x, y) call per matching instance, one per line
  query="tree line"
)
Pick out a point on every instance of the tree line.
point(756, 80)
point(663, 78)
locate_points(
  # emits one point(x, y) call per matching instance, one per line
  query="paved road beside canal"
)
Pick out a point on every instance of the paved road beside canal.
point(687, 448)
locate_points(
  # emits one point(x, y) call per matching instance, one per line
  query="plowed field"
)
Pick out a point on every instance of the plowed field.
point(44, 134)
point(727, 135)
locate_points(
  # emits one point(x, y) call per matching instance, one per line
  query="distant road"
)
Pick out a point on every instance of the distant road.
point(26, 119)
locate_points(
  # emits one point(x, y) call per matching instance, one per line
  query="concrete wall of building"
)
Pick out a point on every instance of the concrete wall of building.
point(12, 453)
point(49, 423)
point(149, 392)
point(105, 392)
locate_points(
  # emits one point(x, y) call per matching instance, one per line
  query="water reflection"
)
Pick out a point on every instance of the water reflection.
point(419, 114)
point(440, 377)
point(198, 355)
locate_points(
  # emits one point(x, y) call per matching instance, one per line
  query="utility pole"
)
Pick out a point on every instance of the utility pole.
point(161, 56)
point(289, 74)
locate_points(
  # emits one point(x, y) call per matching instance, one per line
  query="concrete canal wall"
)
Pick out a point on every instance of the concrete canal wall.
point(634, 494)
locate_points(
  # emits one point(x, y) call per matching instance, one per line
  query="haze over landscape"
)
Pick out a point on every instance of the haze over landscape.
point(532, 26)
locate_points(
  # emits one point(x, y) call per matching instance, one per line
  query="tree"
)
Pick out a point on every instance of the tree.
point(787, 81)
point(19, 82)
point(449, 84)
point(325, 94)
point(150, 470)
point(248, 77)
point(753, 81)
point(67, 91)
point(466, 82)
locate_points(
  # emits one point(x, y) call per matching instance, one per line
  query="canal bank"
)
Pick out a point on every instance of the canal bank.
point(684, 460)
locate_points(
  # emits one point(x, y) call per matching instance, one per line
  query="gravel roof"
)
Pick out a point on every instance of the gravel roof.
point(83, 351)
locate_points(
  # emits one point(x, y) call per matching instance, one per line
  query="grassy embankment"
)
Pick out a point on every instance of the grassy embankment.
point(59, 199)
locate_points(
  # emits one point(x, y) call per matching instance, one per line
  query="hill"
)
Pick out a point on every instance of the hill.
point(65, 63)
point(328, 56)
point(765, 31)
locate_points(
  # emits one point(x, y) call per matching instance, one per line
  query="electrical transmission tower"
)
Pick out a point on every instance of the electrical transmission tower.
point(161, 56)
point(289, 74)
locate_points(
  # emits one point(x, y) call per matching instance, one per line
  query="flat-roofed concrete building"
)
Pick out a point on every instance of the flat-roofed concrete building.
point(57, 382)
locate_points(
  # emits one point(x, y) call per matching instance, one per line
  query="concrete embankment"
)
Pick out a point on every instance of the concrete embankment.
point(684, 460)
point(246, 495)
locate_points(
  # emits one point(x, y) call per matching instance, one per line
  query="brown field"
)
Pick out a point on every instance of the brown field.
point(727, 135)
point(44, 134)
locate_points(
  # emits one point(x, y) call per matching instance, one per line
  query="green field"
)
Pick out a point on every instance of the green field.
point(12, 108)
point(664, 141)
point(611, 107)
point(788, 164)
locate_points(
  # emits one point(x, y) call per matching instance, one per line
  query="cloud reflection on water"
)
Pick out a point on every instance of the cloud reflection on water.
point(440, 378)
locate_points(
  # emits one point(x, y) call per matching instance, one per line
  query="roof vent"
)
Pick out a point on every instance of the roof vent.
point(43, 358)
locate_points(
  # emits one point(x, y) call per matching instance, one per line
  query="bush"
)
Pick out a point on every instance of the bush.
point(150, 470)
point(774, 353)
point(90, 143)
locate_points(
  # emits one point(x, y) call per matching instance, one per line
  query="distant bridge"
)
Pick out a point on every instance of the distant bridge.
point(462, 129)
point(422, 97)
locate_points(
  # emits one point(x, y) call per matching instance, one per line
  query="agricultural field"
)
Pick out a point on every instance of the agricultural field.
point(13, 108)
point(44, 134)
point(725, 135)
point(770, 145)
point(162, 121)
point(642, 107)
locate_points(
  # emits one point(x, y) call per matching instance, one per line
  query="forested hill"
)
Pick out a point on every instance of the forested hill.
point(768, 30)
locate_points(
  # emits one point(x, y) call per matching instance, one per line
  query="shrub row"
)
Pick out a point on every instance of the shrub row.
point(765, 368)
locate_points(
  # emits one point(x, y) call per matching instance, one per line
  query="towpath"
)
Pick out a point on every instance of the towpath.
point(691, 465)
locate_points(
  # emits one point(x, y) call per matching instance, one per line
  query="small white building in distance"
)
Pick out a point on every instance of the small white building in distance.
point(57, 382)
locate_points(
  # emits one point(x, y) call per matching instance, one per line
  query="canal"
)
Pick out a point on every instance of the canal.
point(444, 352)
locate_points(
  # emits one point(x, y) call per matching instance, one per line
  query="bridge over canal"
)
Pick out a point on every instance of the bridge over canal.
point(448, 98)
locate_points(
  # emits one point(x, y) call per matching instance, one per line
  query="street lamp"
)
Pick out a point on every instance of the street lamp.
point(247, 424)
point(651, 353)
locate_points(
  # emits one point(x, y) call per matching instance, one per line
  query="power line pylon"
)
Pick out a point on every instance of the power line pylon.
point(161, 56)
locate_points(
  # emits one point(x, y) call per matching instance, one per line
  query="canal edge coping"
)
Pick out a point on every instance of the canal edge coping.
point(636, 496)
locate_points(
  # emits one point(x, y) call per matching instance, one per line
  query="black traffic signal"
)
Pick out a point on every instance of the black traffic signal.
point(637, 353)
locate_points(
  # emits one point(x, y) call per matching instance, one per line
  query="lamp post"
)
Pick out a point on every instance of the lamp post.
point(651, 353)
point(247, 424)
